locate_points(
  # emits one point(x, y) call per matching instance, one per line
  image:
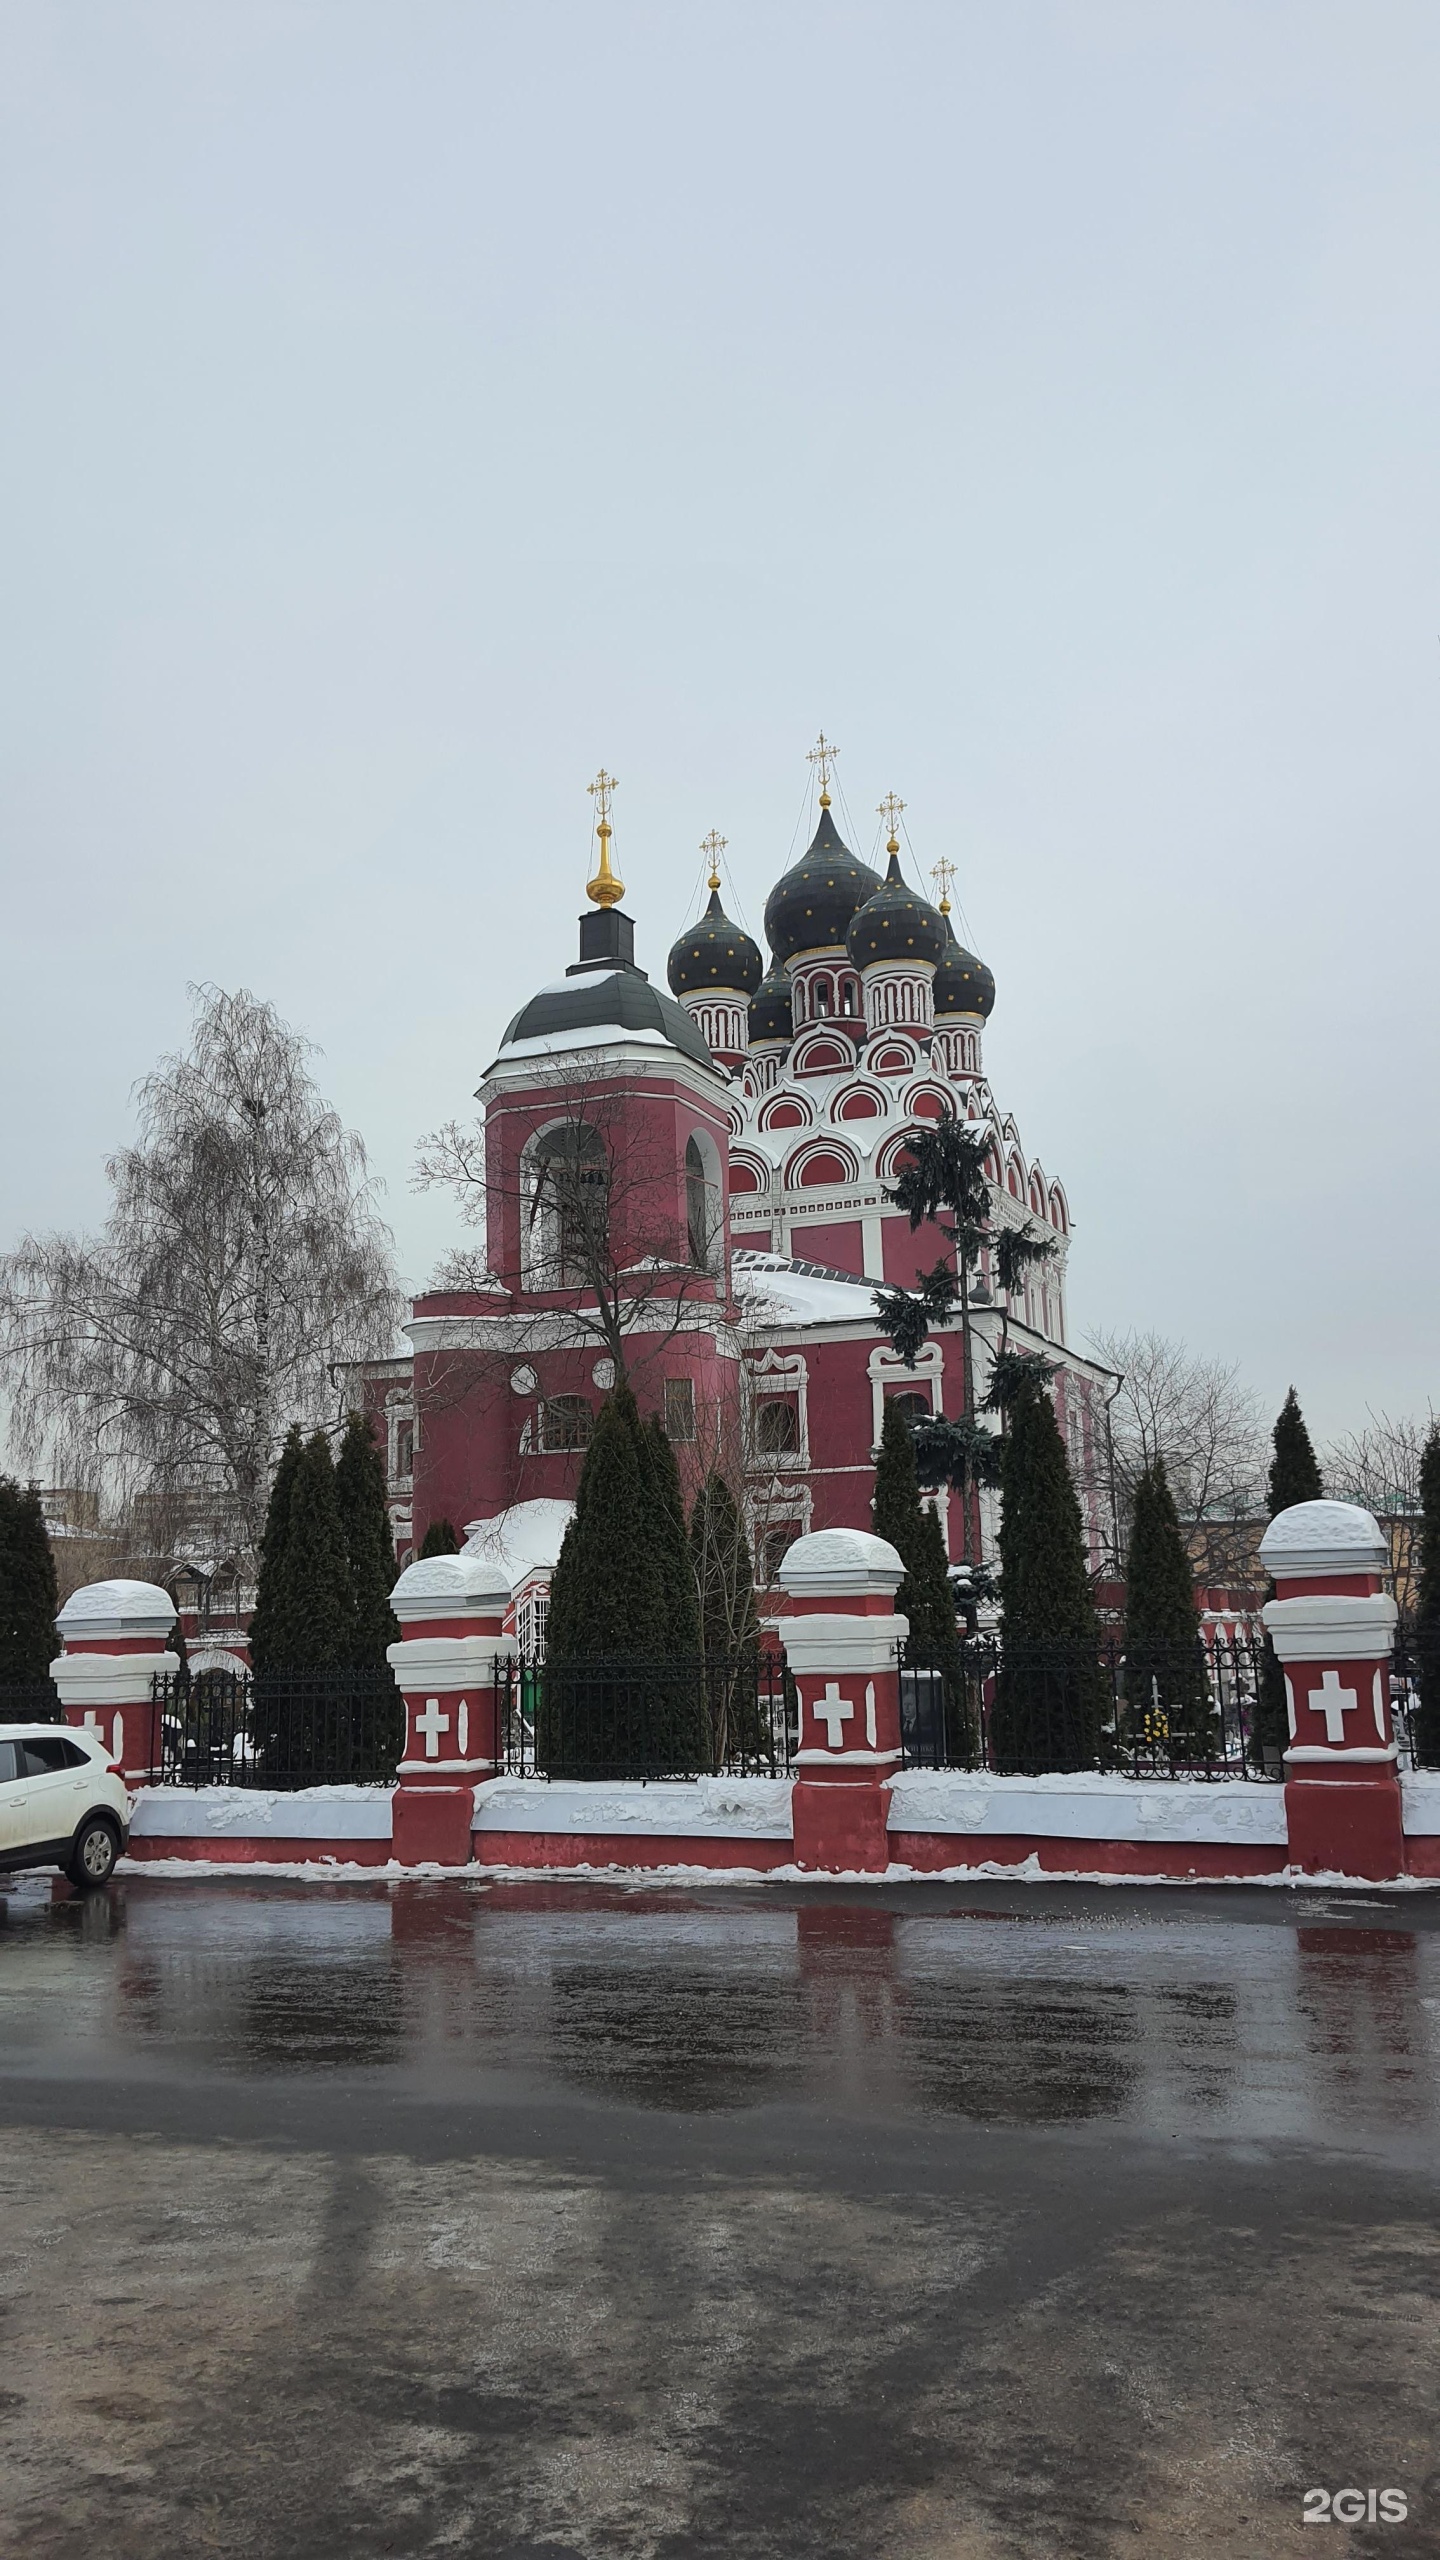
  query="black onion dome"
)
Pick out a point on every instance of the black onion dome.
point(714, 953)
point(771, 1009)
point(810, 909)
point(963, 984)
point(896, 924)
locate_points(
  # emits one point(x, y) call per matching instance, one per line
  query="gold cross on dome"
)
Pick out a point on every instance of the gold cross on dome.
point(605, 890)
point(823, 755)
point(712, 846)
point(889, 810)
point(943, 875)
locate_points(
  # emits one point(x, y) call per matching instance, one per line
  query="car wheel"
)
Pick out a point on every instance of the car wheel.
point(92, 1861)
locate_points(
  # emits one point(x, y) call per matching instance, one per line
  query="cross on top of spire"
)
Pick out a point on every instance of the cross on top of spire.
point(823, 755)
point(605, 890)
point(712, 846)
point(889, 810)
point(943, 875)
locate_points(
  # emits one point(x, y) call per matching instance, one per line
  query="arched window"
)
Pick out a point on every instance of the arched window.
point(702, 1207)
point(777, 1426)
point(850, 997)
point(569, 1206)
point(916, 1408)
point(824, 997)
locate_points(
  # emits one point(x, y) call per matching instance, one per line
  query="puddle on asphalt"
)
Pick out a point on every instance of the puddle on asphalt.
point(1311, 2019)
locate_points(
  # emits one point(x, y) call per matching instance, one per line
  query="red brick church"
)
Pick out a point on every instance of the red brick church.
point(736, 1138)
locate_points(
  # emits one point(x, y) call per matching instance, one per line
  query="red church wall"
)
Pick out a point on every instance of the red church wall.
point(837, 1242)
point(908, 1251)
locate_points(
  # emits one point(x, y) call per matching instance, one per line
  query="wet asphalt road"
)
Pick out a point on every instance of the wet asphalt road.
point(446, 2217)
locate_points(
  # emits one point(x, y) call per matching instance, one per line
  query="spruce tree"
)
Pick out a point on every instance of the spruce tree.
point(369, 1547)
point(1426, 1735)
point(1049, 1694)
point(1294, 1471)
point(270, 1623)
point(1294, 1477)
point(1165, 1685)
point(441, 1539)
point(29, 1596)
point(320, 1632)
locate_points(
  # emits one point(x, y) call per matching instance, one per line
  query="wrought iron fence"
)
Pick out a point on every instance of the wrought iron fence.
point(1415, 1694)
point(684, 1717)
point(30, 1702)
point(281, 1729)
point(1176, 1710)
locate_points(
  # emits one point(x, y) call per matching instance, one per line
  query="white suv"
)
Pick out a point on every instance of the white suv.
point(62, 1802)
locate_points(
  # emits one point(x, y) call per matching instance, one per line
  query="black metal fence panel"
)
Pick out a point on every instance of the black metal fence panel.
point(30, 1702)
point(648, 1719)
point(1415, 1694)
point(1030, 1708)
point(282, 1729)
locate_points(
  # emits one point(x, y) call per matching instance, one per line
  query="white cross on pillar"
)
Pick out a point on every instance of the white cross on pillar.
point(92, 1722)
point(432, 1724)
point(832, 1711)
point(1334, 1704)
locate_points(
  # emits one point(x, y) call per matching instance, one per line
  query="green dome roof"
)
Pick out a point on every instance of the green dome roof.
point(896, 924)
point(714, 953)
point(810, 909)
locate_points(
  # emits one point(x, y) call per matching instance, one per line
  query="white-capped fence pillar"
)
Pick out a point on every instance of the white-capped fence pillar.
point(451, 1611)
point(842, 1641)
point(115, 1637)
point(1333, 1628)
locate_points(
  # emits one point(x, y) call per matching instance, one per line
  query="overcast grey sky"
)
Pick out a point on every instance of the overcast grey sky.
point(409, 406)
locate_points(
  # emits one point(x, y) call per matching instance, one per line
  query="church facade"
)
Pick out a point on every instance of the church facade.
point(696, 1183)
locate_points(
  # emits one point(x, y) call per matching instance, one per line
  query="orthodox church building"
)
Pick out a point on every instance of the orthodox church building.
point(698, 1180)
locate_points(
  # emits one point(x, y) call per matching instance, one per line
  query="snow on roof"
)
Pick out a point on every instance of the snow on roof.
point(802, 1292)
point(523, 1540)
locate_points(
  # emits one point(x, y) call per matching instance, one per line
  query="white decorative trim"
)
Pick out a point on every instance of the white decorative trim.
point(846, 1759)
point(110, 1679)
point(1245, 1812)
point(701, 1808)
point(449, 1587)
point(1337, 1751)
point(848, 1563)
point(447, 1662)
point(1332, 1626)
point(846, 1646)
point(441, 1768)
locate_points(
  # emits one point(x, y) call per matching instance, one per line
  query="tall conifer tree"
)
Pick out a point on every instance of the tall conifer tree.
point(666, 1505)
point(1294, 1477)
point(369, 1548)
point(441, 1539)
point(1427, 1607)
point(1048, 1698)
point(270, 1625)
point(724, 1574)
point(321, 1620)
point(28, 1593)
point(1165, 1684)
point(924, 1598)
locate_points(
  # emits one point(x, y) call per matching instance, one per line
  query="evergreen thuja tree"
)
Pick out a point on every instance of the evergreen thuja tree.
point(321, 1626)
point(1294, 1477)
point(1167, 1694)
point(724, 1573)
point(369, 1548)
point(666, 1504)
point(441, 1539)
point(270, 1623)
point(29, 1596)
point(1049, 1694)
point(914, 1531)
point(1426, 1736)
point(612, 1700)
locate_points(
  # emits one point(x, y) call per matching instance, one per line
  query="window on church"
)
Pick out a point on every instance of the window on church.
point(774, 1548)
point(777, 1426)
point(824, 996)
point(404, 1448)
point(569, 1206)
point(850, 997)
point(702, 1208)
point(915, 1407)
point(565, 1423)
point(680, 1408)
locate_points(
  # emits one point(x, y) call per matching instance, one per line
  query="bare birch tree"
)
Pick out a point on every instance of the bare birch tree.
point(1203, 1424)
point(242, 1260)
